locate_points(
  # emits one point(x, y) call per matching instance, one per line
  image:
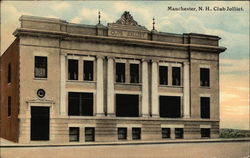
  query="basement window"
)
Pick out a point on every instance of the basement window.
point(136, 133)
point(40, 67)
point(163, 72)
point(9, 106)
point(165, 133)
point(204, 77)
point(72, 69)
point(88, 71)
point(176, 76)
point(127, 105)
point(9, 73)
point(205, 107)
point(179, 133)
point(122, 133)
point(74, 134)
point(134, 73)
point(170, 106)
point(205, 132)
point(89, 134)
point(80, 104)
point(120, 72)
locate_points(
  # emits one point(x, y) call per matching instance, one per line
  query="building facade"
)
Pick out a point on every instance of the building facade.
point(64, 82)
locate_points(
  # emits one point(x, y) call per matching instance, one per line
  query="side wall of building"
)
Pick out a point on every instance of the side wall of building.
point(10, 89)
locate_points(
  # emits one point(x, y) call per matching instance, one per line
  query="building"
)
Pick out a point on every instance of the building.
point(64, 82)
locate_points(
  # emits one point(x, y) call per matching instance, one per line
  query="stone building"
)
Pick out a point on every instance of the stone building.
point(63, 82)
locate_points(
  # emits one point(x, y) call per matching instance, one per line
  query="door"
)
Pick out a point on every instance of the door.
point(39, 123)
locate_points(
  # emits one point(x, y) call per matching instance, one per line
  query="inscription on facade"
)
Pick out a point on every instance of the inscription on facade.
point(128, 34)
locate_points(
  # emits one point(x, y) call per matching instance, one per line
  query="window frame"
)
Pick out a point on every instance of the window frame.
point(161, 67)
point(91, 72)
point(117, 80)
point(202, 100)
point(181, 132)
point(91, 134)
point(9, 73)
point(125, 136)
point(203, 135)
point(137, 74)
point(178, 76)
point(41, 67)
point(136, 130)
point(9, 108)
point(77, 134)
point(163, 133)
point(74, 78)
point(203, 75)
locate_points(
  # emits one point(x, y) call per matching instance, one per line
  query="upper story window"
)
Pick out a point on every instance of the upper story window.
point(176, 76)
point(72, 69)
point(9, 105)
point(205, 107)
point(88, 70)
point(163, 75)
point(120, 72)
point(40, 67)
point(9, 73)
point(204, 77)
point(134, 73)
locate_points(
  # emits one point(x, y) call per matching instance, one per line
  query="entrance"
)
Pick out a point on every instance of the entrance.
point(39, 123)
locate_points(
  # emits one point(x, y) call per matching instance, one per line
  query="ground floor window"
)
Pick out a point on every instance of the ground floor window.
point(122, 133)
point(74, 134)
point(136, 133)
point(165, 133)
point(205, 132)
point(178, 133)
point(89, 134)
point(127, 105)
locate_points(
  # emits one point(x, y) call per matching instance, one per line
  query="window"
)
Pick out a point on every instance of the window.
point(88, 71)
point(163, 72)
point(9, 106)
point(40, 67)
point(9, 73)
point(134, 73)
point(89, 134)
point(205, 132)
point(136, 133)
point(176, 76)
point(80, 104)
point(170, 106)
point(122, 133)
point(74, 134)
point(127, 105)
point(204, 77)
point(72, 69)
point(165, 133)
point(205, 107)
point(178, 133)
point(120, 72)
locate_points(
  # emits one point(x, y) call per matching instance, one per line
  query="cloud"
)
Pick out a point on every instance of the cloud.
point(60, 6)
point(75, 20)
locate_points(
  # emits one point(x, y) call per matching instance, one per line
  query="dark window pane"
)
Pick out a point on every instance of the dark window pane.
point(204, 77)
point(40, 67)
point(120, 72)
point(205, 132)
point(170, 106)
point(89, 134)
point(74, 134)
point(205, 107)
point(122, 133)
point(134, 73)
point(165, 133)
point(9, 73)
point(72, 69)
point(163, 72)
point(9, 106)
point(178, 133)
point(88, 71)
point(127, 105)
point(136, 133)
point(176, 76)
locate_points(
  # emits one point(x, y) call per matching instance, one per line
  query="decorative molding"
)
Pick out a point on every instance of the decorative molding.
point(127, 19)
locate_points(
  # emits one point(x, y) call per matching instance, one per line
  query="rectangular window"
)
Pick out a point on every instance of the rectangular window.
point(176, 76)
point(205, 107)
point(170, 106)
point(178, 133)
point(80, 104)
point(9, 73)
point(204, 77)
point(88, 71)
point(205, 132)
point(134, 73)
point(9, 106)
point(74, 134)
point(40, 67)
point(122, 133)
point(89, 134)
point(165, 133)
point(136, 133)
point(72, 69)
point(163, 72)
point(127, 105)
point(120, 72)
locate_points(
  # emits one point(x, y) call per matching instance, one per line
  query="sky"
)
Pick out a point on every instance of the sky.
point(231, 26)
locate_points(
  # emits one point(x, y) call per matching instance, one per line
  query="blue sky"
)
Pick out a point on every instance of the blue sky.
point(232, 27)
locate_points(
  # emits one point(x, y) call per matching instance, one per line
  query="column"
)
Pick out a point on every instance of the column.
point(186, 91)
point(99, 85)
point(145, 96)
point(110, 87)
point(154, 87)
point(63, 85)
